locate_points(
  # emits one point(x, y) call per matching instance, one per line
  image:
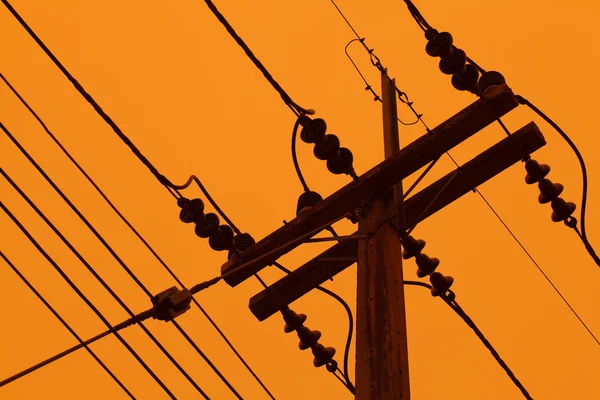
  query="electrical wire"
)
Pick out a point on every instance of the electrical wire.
point(112, 329)
point(402, 96)
point(296, 109)
point(295, 156)
point(350, 322)
point(161, 178)
point(65, 324)
point(93, 183)
point(102, 281)
point(582, 234)
point(419, 17)
point(119, 260)
point(451, 301)
point(85, 299)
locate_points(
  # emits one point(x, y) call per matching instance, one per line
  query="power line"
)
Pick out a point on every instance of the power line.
point(154, 312)
point(103, 241)
point(570, 222)
point(350, 324)
point(66, 324)
point(582, 234)
point(85, 299)
point(419, 17)
point(169, 270)
point(453, 304)
point(296, 109)
point(161, 178)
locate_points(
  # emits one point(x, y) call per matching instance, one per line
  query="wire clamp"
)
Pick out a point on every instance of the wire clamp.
point(171, 303)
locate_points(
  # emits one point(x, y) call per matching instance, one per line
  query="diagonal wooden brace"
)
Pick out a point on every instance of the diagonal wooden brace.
point(472, 174)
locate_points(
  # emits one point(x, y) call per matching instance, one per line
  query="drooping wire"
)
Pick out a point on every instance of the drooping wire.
point(418, 15)
point(93, 183)
point(582, 235)
point(117, 258)
point(350, 323)
point(85, 299)
point(65, 324)
point(451, 301)
point(112, 329)
point(402, 96)
point(295, 156)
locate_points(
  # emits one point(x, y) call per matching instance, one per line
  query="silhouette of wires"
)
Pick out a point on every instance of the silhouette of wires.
point(117, 258)
point(296, 109)
point(453, 304)
point(345, 373)
point(424, 25)
point(572, 223)
point(85, 299)
point(155, 254)
point(65, 324)
point(582, 234)
point(151, 313)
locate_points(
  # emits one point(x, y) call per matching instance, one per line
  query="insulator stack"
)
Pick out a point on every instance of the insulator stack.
point(220, 237)
point(241, 242)
point(426, 265)
point(453, 60)
point(327, 146)
point(549, 191)
point(309, 339)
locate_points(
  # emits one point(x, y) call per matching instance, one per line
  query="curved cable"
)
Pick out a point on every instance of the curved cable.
point(85, 299)
point(109, 248)
point(350, 322)
point(584, 238)
point(582, 234)
point(154, 253)
point(402, 96)
point(295, 156)
point(194, 179)
point(65, 324)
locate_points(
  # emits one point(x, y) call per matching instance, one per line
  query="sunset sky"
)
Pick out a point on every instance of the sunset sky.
point(184, 92)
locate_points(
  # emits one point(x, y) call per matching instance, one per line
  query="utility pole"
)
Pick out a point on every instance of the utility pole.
point(381, 342)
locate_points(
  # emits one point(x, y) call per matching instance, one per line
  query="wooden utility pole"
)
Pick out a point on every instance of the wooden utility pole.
point(381, 345)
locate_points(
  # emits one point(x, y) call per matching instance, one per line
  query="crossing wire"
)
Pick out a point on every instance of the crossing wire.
point(85, 299)
point(420, 19)
point(131, 227)
point(152, 312)
point(65, 323)
point(109, 248)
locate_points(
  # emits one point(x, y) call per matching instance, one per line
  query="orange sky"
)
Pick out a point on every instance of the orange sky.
point(188, 97)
